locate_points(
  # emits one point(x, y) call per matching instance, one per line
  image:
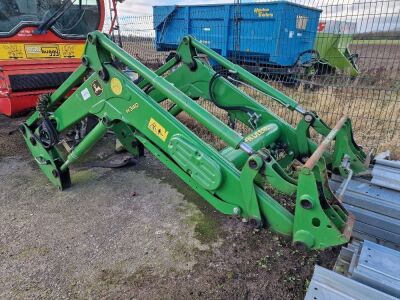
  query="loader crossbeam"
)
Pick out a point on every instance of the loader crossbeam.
point(234, 180)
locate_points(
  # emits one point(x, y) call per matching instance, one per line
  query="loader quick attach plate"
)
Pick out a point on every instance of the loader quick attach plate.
point(48, 161)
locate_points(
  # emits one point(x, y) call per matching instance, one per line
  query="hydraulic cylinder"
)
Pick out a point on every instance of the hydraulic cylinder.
point(86, 144)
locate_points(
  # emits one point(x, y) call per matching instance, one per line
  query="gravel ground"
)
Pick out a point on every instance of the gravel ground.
point(136, 232)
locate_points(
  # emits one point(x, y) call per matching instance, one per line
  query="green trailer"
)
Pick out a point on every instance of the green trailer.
point(332, 44)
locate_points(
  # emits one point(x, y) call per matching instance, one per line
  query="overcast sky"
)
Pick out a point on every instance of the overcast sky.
point(368, 14)
point(140, 7)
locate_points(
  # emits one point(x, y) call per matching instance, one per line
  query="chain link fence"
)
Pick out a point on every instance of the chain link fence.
point(343, 58)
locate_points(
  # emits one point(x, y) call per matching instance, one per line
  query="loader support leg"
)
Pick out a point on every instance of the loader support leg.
point(247, 177)
point(317, 223)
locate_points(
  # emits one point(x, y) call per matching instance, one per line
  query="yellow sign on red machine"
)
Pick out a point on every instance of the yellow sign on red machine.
point(40, 51)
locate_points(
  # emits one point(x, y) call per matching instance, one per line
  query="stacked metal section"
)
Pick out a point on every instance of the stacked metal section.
point(366, 270)
point(327, 284)
point(376, 203)
point(386, 172)
point(371, 264)
point(363, 271)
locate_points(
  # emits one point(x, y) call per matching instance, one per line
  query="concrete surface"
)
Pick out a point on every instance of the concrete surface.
point(132, 233)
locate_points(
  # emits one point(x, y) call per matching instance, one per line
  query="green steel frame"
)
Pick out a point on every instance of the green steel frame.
point(233, 180)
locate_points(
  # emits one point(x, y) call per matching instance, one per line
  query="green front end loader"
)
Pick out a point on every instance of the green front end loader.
point(234, 180)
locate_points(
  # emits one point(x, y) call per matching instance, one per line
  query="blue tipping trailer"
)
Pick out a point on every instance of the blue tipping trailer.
point(275, 35)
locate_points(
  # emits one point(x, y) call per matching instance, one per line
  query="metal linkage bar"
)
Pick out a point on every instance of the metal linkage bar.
point(247, 76)
point(212, 123)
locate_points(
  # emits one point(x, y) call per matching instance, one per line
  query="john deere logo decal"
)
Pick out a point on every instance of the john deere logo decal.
point(97, 88)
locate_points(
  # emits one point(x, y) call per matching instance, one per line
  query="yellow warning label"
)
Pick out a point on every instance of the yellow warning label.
point(40, 51)
point(158, 129)
point(116, 86)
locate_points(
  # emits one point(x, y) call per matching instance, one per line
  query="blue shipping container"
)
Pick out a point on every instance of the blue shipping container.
point(272, 33)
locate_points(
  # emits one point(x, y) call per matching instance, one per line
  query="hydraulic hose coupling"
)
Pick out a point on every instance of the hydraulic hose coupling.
point(300, 110)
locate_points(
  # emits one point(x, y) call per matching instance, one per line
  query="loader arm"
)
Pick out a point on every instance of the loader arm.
point(233, 180)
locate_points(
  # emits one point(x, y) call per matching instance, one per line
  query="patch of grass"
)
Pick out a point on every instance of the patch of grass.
point(111, 277)
point(33, 251)
point(203, 132)
point(141, 274)
point(205, 226)
point(306, 285)
point(82, 176)
point(206, 229)
point(374, 113)
point(375, 42)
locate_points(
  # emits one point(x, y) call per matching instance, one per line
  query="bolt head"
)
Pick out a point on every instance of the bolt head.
point(306, 204)
point(308, 118)
point(236, 211)
point(253, 164)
